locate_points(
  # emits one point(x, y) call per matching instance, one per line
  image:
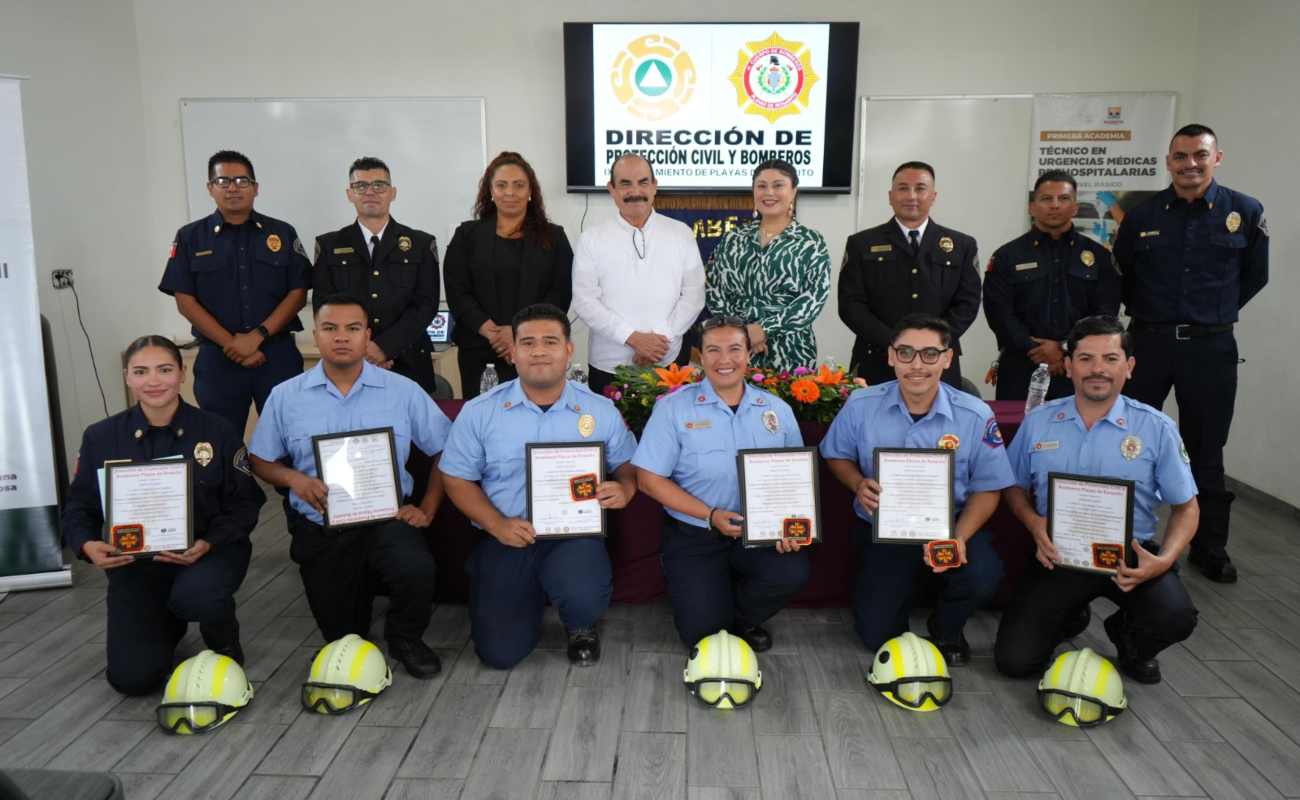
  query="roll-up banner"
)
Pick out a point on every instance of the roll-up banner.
point(30, 554)
point(1113, 144)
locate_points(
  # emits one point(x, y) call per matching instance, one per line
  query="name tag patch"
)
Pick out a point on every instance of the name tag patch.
point(1048, 445)
point(1031, 265)
point(204, 253)
point(698, 424)
point(882, 248)
point(1145, 234)
point(338, 251)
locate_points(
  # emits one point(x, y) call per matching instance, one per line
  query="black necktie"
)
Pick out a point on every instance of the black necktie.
point(374, 242)
point(915, 236)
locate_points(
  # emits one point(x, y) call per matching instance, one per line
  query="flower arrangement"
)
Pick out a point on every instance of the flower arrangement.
point(813, 395)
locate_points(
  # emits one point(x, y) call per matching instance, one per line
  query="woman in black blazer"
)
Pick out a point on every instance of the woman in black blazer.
point(508, 257)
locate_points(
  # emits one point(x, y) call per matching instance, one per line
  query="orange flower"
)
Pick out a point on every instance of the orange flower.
point(674, 376)
point(805, 391)
point(827, 378)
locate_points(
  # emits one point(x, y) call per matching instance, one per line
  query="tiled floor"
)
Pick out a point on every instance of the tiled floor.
point(1225, 723)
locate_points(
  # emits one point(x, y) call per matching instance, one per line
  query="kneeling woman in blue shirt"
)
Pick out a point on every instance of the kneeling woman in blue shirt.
point(152, 601)
point(687, 461)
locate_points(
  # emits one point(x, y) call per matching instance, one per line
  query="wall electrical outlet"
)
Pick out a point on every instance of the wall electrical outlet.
point(62, 278)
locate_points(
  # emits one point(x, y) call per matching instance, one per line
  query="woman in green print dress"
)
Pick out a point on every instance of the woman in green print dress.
point(774, 274)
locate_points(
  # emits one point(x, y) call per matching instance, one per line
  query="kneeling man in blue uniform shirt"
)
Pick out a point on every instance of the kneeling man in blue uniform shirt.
point(1102, 433)
point(344, 569)
point(918, 411)
point(513, 571)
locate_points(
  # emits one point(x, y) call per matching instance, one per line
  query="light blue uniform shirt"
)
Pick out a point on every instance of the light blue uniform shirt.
point(1053, 439)
point(692, 437)
point(487, 440)
point(877, 417)
point(309, 405)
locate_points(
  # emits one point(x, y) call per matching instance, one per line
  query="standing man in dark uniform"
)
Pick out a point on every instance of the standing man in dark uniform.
point(393, 268)
point(1039, 285)
point(1192, 256)
point(240, 278)
point(908, 265)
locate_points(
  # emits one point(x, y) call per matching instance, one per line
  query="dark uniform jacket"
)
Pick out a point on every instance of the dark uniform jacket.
point(881, 282)
point(226, 497)
point(1192, 263)
point(545, 276)
point(238, 273)
point(399, 286)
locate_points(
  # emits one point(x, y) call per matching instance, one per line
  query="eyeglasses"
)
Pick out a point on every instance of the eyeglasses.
point(331, 698)
point(720, 322)
point(1087, 711)
point(913, 692)
point(638, 242)
point(929, 355)
point(224, 183)
point(198, 717)
point(360, 187)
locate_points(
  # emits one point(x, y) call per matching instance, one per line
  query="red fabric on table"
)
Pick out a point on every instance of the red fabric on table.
point(633, 542)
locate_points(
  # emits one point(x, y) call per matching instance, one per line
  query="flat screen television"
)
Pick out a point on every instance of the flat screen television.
point(707, 102)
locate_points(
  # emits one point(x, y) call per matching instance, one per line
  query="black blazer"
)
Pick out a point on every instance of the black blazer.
point(546, 277)
point(399, 286)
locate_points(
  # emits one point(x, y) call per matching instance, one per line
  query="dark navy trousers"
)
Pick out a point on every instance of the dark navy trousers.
point(225, 388)
point(887, 577)
point(509, 587)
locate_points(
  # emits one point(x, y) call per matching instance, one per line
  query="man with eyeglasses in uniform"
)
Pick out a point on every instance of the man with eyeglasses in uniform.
point(919, 411)
point(638, 281)
point(240, 278)
point(390, 266)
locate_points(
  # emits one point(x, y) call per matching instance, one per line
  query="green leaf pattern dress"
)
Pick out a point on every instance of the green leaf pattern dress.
point(782, 287)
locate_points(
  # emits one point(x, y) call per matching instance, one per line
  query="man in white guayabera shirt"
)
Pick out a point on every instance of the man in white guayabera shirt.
point(638, 281)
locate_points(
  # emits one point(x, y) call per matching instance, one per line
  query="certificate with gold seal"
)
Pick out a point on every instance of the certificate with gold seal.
point(1089, 520)
point(562, 478)
point(780, 497)
point(148, 506)
point(360, 468)
point(916, 495)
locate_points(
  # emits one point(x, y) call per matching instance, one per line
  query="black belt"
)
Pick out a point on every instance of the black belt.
point(1179, 331)
point(689, 529)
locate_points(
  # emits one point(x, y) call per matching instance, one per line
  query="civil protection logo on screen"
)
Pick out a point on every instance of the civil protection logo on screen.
point(653, 77)
point(773, 77)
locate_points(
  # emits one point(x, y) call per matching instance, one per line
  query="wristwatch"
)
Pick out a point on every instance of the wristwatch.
point(262, 330)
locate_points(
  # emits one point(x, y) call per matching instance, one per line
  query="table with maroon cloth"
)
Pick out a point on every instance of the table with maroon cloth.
point(633, 540)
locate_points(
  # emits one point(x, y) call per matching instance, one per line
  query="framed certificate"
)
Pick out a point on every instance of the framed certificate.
point(148, 506)
point(360, 469)
point(780, 497)
point(562, 478)
point(916, 495)
point(1089, 520)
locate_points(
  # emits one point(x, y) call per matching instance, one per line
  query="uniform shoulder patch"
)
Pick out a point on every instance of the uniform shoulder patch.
point(990, 267)
point(1182, 452)
point(241, 462)
point(992, 436)
point(1263, 224)
point(433, 245)
point(298, 248)
point(316, 256)
point(975, 261)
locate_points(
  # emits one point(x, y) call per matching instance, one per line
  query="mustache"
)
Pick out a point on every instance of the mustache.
point(635, 198)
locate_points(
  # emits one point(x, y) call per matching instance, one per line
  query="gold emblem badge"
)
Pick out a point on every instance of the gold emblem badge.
point(203, 453)
point(770, 421)
point(1087, 258)
point(1131, 447)
point(586, 425)
point(949, 442)
point(945, 244)
point(404, 243)
point(1234, 222)
point(273, 243)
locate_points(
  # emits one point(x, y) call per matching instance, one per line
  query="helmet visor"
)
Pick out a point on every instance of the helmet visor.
point(331, 698)
point(913, 692)
point(721, 693)
point(1086, 711)
point(195, 717)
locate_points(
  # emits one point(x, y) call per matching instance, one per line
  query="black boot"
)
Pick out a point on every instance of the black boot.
point(755, 635)
point(1214, 563)
point(1134, 657)
point(1078, 623)
point(955, 649)
point(415, 655)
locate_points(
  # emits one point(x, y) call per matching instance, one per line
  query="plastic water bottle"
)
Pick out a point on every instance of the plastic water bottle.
point(1037, 388)
point(830, 364)
point(489, 380)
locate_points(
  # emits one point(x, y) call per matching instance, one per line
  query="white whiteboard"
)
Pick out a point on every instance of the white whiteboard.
point(436, 149)
point(979, 148)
